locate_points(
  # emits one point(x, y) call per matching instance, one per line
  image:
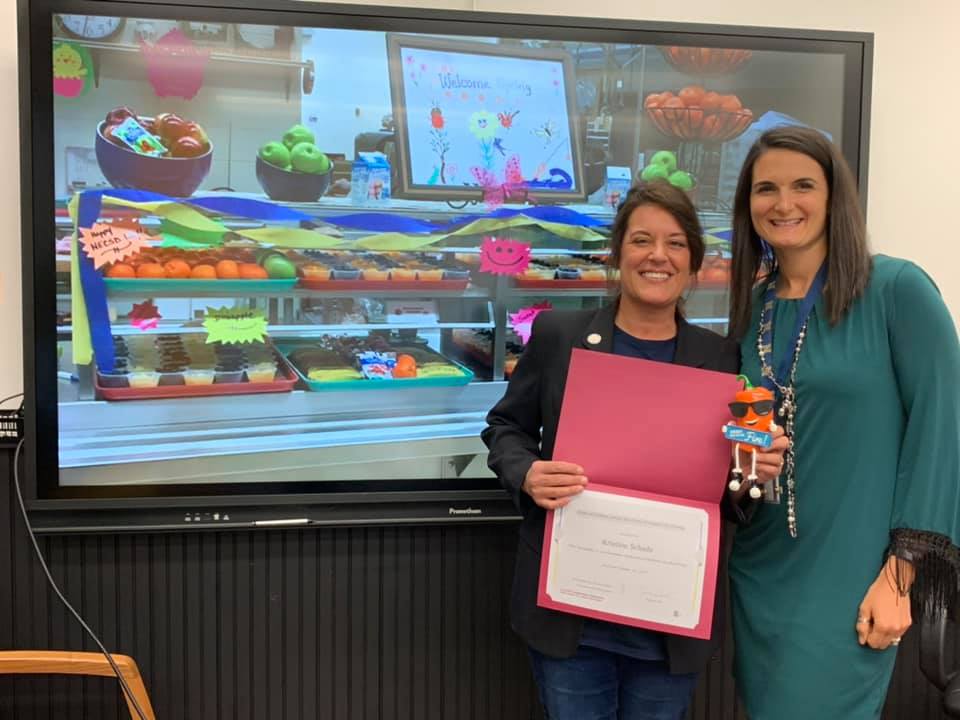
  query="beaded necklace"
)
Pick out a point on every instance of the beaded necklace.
point(785, 385)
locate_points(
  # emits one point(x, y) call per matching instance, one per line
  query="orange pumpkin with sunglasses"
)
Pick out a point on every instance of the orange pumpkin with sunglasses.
point(752, 408)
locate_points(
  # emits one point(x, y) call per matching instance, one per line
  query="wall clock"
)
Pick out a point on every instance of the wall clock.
point(90, 27)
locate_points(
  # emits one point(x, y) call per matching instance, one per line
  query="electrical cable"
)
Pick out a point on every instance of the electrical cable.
point(56, 588)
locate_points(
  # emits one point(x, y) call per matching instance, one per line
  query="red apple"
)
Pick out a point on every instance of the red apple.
point(170, 127)
point(118, 115)
point(109, 135)
point(197, 133)
point(188, 147)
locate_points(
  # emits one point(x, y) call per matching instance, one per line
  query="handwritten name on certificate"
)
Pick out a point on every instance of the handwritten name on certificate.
point(629, 559)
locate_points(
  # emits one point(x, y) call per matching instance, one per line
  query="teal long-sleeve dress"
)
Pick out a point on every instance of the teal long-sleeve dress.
point(877, 438)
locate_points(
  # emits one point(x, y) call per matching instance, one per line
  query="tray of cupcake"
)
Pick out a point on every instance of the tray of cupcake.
point(564, 271)
point(174, 365)
point(381, 271)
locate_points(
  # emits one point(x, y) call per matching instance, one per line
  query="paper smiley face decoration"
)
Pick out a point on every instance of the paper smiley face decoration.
point(752, 408)
point(503, 257)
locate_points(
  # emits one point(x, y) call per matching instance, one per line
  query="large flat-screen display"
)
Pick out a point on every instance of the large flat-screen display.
point(279, 262)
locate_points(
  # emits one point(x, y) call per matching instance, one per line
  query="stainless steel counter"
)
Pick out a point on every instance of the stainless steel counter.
point(423, 433)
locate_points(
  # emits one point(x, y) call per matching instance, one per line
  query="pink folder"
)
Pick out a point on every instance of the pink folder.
point(650, 430)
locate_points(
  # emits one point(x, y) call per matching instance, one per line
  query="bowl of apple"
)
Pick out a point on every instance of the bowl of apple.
point(164, 154)
point(294, 169)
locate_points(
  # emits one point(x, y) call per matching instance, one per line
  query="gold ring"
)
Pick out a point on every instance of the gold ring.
point(862, 620)
point(895, 641)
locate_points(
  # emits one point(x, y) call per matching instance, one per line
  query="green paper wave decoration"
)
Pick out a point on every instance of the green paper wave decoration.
point(293, 238)
point(398, 242)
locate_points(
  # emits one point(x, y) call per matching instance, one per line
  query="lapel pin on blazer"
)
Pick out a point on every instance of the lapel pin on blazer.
point(594, 338)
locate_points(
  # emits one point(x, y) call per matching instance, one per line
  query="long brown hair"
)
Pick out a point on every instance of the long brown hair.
point(671, 199)
point(848, 254)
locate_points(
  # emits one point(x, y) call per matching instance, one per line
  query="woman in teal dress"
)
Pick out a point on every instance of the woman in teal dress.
point(864, 359)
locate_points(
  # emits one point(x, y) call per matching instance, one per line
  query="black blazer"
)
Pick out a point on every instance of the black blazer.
point(522, 428)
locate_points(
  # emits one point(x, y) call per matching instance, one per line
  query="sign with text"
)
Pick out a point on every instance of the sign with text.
point(235, 325)
point(476, 113)
point(105, 244)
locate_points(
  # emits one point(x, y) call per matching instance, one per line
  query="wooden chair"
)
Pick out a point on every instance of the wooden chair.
point(52, 662)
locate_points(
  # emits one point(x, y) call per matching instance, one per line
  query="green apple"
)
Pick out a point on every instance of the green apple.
point(654, 171)
point(296, 135)
point(681, 179)
point(279, 268)
point(307, 158)
point(665, 157)
point(275, 153)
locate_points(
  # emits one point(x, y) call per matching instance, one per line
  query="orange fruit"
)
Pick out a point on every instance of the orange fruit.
point(692, 95)
point(204, 272)
point(121, 270)
point(153, 271)
point(252, 271)
point(710, 100)
point(176, 269)
point(671, 106)
point(406, 367)
point(730, 103)
point(227, 270)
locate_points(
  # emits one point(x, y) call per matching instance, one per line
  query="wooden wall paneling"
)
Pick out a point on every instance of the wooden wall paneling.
point(325, 577)
point(395, 623)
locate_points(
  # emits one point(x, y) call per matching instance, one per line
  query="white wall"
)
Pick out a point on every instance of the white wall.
point(914, 144)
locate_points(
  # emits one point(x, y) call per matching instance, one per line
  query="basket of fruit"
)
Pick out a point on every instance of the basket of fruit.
point(294, 169)
point(706, 61)
point(696, 114)
point(165, 154)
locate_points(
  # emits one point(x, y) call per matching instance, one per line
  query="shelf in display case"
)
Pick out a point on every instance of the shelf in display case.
point(423, 286)
point(334, 291)
point(579, 290)
point(187, 288)
point(299, 330)
point(305, 67)
point(326, 329)
point(543, 284)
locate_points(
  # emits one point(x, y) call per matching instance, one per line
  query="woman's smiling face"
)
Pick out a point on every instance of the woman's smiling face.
point(789, 197)
point(655, 259)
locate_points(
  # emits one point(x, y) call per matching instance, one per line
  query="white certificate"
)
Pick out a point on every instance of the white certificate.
point(631, 560)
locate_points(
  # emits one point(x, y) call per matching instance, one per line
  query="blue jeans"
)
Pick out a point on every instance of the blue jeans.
point(596, 684)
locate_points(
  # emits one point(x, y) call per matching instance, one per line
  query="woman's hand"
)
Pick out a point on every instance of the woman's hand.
point(552, 484)
point(884, 614)
point(769, 461)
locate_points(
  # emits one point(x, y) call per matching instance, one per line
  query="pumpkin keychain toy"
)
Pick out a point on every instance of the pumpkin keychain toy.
point(753, 425)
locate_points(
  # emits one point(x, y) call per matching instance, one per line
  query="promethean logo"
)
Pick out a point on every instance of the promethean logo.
point(466, 511)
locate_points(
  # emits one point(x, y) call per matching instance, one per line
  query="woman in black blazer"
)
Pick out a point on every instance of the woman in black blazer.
point(587, 668)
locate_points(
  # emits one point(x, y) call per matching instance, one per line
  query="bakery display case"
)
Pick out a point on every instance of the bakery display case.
point(256, 276)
